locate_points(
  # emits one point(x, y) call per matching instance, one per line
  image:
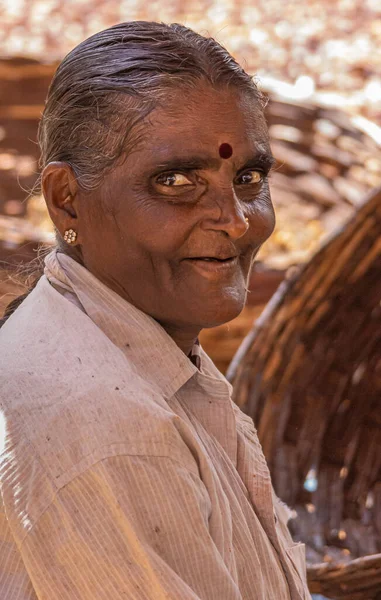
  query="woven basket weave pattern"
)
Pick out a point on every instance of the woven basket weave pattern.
point(309, 374)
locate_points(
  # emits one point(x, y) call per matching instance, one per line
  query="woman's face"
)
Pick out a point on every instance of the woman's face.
point(167, 229)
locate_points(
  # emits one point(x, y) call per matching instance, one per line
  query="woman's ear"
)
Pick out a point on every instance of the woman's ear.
point(59, 186)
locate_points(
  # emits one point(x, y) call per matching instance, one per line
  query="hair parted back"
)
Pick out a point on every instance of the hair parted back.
point(111, 81)
point(109, 84)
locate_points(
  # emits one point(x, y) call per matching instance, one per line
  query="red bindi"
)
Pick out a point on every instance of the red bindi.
point(225, 150)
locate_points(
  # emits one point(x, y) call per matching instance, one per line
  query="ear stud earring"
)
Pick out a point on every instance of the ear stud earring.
point(247, 220)
point(70, 236)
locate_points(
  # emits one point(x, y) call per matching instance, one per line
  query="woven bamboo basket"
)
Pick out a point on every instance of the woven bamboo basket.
point(309, 373)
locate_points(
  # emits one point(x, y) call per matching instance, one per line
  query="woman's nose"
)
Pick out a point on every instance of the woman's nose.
point(225, 213)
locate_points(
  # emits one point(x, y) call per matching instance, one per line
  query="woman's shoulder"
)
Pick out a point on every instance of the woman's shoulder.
point(51, 342)
point(66, 389)
point(43, 322)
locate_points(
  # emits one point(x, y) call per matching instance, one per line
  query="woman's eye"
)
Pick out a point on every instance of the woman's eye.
point(251, 177)
point(173, 179)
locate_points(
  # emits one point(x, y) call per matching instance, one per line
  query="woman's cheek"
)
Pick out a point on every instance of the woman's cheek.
point(261, 213)
point(269, 218)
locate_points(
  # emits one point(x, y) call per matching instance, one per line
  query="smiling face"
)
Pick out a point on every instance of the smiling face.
point(176, 227)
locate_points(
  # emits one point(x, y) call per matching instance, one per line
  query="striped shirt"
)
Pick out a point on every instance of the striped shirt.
point(126, 470)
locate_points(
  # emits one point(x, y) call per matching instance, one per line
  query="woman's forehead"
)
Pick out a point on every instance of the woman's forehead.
point(210, 110)
point(217, 124)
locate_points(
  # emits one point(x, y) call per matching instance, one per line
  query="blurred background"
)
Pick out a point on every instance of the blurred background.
point(318, 60)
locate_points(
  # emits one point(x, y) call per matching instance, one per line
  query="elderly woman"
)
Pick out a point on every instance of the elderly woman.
point(126, 469)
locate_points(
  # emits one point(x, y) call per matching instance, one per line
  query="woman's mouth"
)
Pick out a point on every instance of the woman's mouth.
point(213, 265)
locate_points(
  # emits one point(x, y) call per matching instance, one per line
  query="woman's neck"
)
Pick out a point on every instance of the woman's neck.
point(184, 338)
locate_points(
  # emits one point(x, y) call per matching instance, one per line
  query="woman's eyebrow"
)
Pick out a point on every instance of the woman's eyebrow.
point(189, 163)
point(265, 160)
point(192, 163)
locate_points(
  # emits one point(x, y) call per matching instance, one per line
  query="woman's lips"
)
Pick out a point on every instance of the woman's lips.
point(213, 266)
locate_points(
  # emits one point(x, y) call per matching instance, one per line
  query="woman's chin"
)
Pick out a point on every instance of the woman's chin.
point(218, 315)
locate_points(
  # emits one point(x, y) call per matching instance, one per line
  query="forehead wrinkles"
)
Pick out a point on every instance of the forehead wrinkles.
point(214, 119)
point(196, 99)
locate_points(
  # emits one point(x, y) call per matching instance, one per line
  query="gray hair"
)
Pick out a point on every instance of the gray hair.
point(111, 81)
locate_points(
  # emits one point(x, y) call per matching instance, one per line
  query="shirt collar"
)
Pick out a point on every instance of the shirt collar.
point(153, 353)
point(195, 355)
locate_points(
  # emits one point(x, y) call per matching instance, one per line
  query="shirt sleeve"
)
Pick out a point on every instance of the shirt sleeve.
point(15, 583)
point(131, 527)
